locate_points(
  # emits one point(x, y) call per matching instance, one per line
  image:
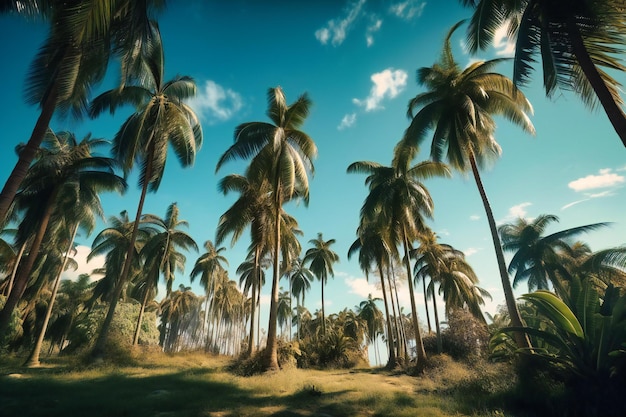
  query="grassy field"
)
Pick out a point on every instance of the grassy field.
point(195, 384)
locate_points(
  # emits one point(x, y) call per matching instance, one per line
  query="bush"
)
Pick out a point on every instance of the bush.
point(465, 338)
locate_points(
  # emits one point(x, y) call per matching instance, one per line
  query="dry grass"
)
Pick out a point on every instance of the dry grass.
point(196, 384)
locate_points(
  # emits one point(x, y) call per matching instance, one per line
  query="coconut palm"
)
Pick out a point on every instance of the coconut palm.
point(321, 259)
point(283, 154)
point(575, 44)
point(66, 169)
point(175, 310)
point(75, 55)
point(300, 278)
point(399, 198)
point(161, 119)
point(374, 252)
point(284, 310)
point(459, 106)
point(369, 312)
point(537, 257)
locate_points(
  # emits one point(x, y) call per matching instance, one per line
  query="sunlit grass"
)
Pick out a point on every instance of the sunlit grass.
point(200, 385)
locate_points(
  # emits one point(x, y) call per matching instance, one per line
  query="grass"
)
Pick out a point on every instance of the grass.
point(196, 384)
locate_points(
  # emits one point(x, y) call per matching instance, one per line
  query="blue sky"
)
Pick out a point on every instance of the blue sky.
point(357, 61)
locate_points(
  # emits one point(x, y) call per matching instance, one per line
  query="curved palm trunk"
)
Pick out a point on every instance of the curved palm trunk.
point(323, 314)
point(430, 329)
point(270, 361)
point(403, 350)
point(391, 361)
point(33, 358)
point(521, 339)
point(255, 285)
point(612, 109)
point(27, 154)
point(396, 335)
point(98, 349)
point(419, 344)
point(438, 329)
point(18, 259)
point(24, 270)
point(140, 319)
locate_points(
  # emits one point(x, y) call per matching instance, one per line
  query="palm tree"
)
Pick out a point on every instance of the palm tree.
point(252, 278)
point(210, 265)
point(374, 251)
point(74, 57)
point(65, 169)
point(369, 312)
point(161, 119)
point(162, 255)
point(283, 154)
point(458, 106)
point(537, 258)
point(321, 259)
point(574, 43)
point(175, 309)
point(399, 198)
point(300, 278)
point(284, 311)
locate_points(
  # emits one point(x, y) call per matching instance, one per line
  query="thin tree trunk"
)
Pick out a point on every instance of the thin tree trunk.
point(439, 341)
point(33, 358)
point(140, 319)
point(323, 313)
point(521, 339)
point(391, 360)
point(26, 156)
point(21, 279)
point(401, 328)
point(399, 344)
point(257, 278)
point(419, 344)
point(18, 259)
point(430, 329)
point(270, 361)
point(98, 349)
point(612, 109)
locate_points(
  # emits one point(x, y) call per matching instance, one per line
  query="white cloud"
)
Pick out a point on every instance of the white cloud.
point(371, 29)
point(474, 217)
point(408, 9)
point(84, 267)
point(443, 232)
point(502, 43)
point(214, 103)
point(565, 207)
point(363, 288)
point(348, 121)
point(336, 30)
point(605, 179)
point(518, 211)
point(471, 251)
point(387, 84)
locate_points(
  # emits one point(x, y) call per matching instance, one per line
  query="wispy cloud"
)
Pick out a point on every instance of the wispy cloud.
point(371, 29)
point(474, 217)
point(387, 85)
point(348, 121)
point(516, 211)
point(336, 30)
point(605, 179)
point(408, 9)
point(214, 103)
point(503, 45)
point(471, 251)
point(362, 288)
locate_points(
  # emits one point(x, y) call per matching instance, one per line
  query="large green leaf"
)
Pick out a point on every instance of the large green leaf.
point(557, 311)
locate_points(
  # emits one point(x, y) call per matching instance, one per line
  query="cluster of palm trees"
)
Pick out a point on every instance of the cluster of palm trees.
point(54, 189)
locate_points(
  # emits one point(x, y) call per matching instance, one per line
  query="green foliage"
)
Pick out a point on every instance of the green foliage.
point(14, 330)
point(465, 338)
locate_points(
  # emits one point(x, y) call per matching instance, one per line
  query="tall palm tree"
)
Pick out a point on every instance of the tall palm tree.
point(537, 258)
point(209, 266)
point(575, 42)
point(321, 259)
point(374, 252)
point(369, 312)
point(283, 154)
point(162, 254)
point(284, 311)
point(65, 169)
point(399, 198)
point(75, 55)
point(300, 278)
point(161, 119)
point(175, 309)
point(458, 106)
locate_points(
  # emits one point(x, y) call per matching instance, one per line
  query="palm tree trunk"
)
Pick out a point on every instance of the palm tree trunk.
point(18, 259)
point(403, 350)
point(521, 339)
point(27, 154)
point(98, 349)
point(391, 361)
point(437, 327)
point(612, 109)
point(323, 313)
point(255, 281)
point(21, 279)
point(140, 319)
point(419, 344)
point(270, 361)
point(430, 329)
point(33, 358)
